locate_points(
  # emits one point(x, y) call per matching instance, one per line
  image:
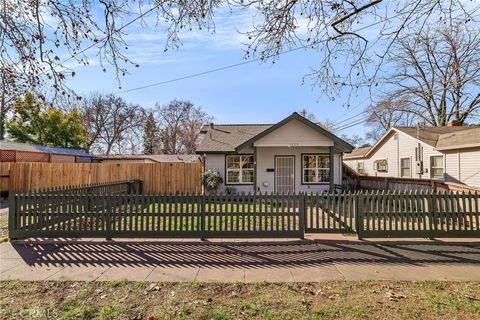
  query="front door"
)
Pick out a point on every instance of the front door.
point(284, 174)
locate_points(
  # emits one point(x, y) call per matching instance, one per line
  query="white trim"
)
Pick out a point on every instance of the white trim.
point(400, 171)
point(430, 165)
point(316, 168)
point(239, 170)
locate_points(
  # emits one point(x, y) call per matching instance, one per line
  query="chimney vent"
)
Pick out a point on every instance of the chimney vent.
point(455, 123)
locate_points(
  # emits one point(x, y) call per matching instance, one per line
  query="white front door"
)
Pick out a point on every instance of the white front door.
point(284, 174)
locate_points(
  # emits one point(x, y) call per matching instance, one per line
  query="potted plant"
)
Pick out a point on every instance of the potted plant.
point(212, 180)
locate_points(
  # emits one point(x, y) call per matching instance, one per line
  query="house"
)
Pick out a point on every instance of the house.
point(150, 158)
point(449, 154)
point(25, 152)
point(293, 155)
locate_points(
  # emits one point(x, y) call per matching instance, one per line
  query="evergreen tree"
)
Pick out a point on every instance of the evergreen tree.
point(150, 136)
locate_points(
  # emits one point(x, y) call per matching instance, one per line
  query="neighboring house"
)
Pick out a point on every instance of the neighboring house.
point(294, 155)
point(24, 152)
point(450, 154)
point(150, 158)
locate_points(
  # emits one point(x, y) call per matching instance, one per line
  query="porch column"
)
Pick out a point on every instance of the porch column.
point(330, 153)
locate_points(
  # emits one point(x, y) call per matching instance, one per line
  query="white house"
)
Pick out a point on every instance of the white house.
point(294, 155)
point(450, 154)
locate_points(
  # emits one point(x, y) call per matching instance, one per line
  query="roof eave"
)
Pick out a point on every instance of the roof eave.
point(342, 145)
point(462, 146)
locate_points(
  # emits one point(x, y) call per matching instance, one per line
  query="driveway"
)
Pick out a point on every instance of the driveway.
point(245, 261)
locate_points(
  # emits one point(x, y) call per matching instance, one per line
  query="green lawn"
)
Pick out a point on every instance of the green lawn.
point(327, 300)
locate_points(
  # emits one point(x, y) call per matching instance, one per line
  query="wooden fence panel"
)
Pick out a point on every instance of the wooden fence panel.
point(157, 177)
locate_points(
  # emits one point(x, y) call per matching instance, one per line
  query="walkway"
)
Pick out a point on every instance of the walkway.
point(246, 261)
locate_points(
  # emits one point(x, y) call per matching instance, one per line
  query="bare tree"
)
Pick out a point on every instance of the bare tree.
point(41, 40)
point(110, 121)
point(180, 123)
point(385, 114)
point(436, 78)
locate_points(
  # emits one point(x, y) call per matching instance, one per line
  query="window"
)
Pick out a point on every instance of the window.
point(436, 167)
point(239, 169)
point(380, 165)
point(360, 167)
point(405, 168)
point(316, 168)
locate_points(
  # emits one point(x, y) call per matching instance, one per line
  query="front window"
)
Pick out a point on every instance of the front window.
point(239, 169)
point(316, 168)
point(405, 168)
point(436, 167)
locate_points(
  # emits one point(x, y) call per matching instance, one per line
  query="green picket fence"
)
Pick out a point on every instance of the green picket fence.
point(418, 214)
point(138, 215)
point(132, 214)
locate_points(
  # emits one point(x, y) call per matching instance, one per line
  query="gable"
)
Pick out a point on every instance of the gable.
point(294, 133)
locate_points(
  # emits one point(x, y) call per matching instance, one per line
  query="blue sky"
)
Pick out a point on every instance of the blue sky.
point(252, 93)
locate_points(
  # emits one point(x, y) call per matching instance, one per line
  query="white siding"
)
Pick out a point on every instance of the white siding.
point(294, 133)
point(266, 160)
point(470, 167)
point(393, 149)
point(452, 166)
point(217, 162)
point(463, 166)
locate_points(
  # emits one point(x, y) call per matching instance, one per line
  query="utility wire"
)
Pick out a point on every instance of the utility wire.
point(350, 118)
point(244, 62)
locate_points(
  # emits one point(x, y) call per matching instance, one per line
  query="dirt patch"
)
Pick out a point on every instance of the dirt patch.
point(328, 300)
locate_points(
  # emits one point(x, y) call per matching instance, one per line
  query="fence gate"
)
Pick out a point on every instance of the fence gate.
point(330, 213)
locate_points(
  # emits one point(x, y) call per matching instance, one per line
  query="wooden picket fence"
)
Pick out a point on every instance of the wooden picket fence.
point(132, 214)
point(156, 177)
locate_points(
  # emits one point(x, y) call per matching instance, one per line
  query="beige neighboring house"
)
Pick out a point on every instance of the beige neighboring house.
point(293, 155)
point(450, 154)
point(150, 158)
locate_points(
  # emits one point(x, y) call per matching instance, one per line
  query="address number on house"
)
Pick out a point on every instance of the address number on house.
point(294, 145)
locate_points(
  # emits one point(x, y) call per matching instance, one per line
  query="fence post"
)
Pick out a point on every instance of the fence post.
point(12, 213)
point(202, 216)
point(302, 212)
point(359, 205)
point(140, 187)
point(433, 225)
point(108, 216)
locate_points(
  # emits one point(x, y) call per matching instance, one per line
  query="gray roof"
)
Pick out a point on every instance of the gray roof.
point(155, 157)
point(431, 135)
point(10, 145)
point(460, 139)
point(225, 138)
point(232, 138)
point(357, 153)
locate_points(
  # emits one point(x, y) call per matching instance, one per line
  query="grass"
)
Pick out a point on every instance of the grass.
point(326, 300)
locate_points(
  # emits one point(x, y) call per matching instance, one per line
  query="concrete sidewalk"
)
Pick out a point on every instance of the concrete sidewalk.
point(245, 261)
